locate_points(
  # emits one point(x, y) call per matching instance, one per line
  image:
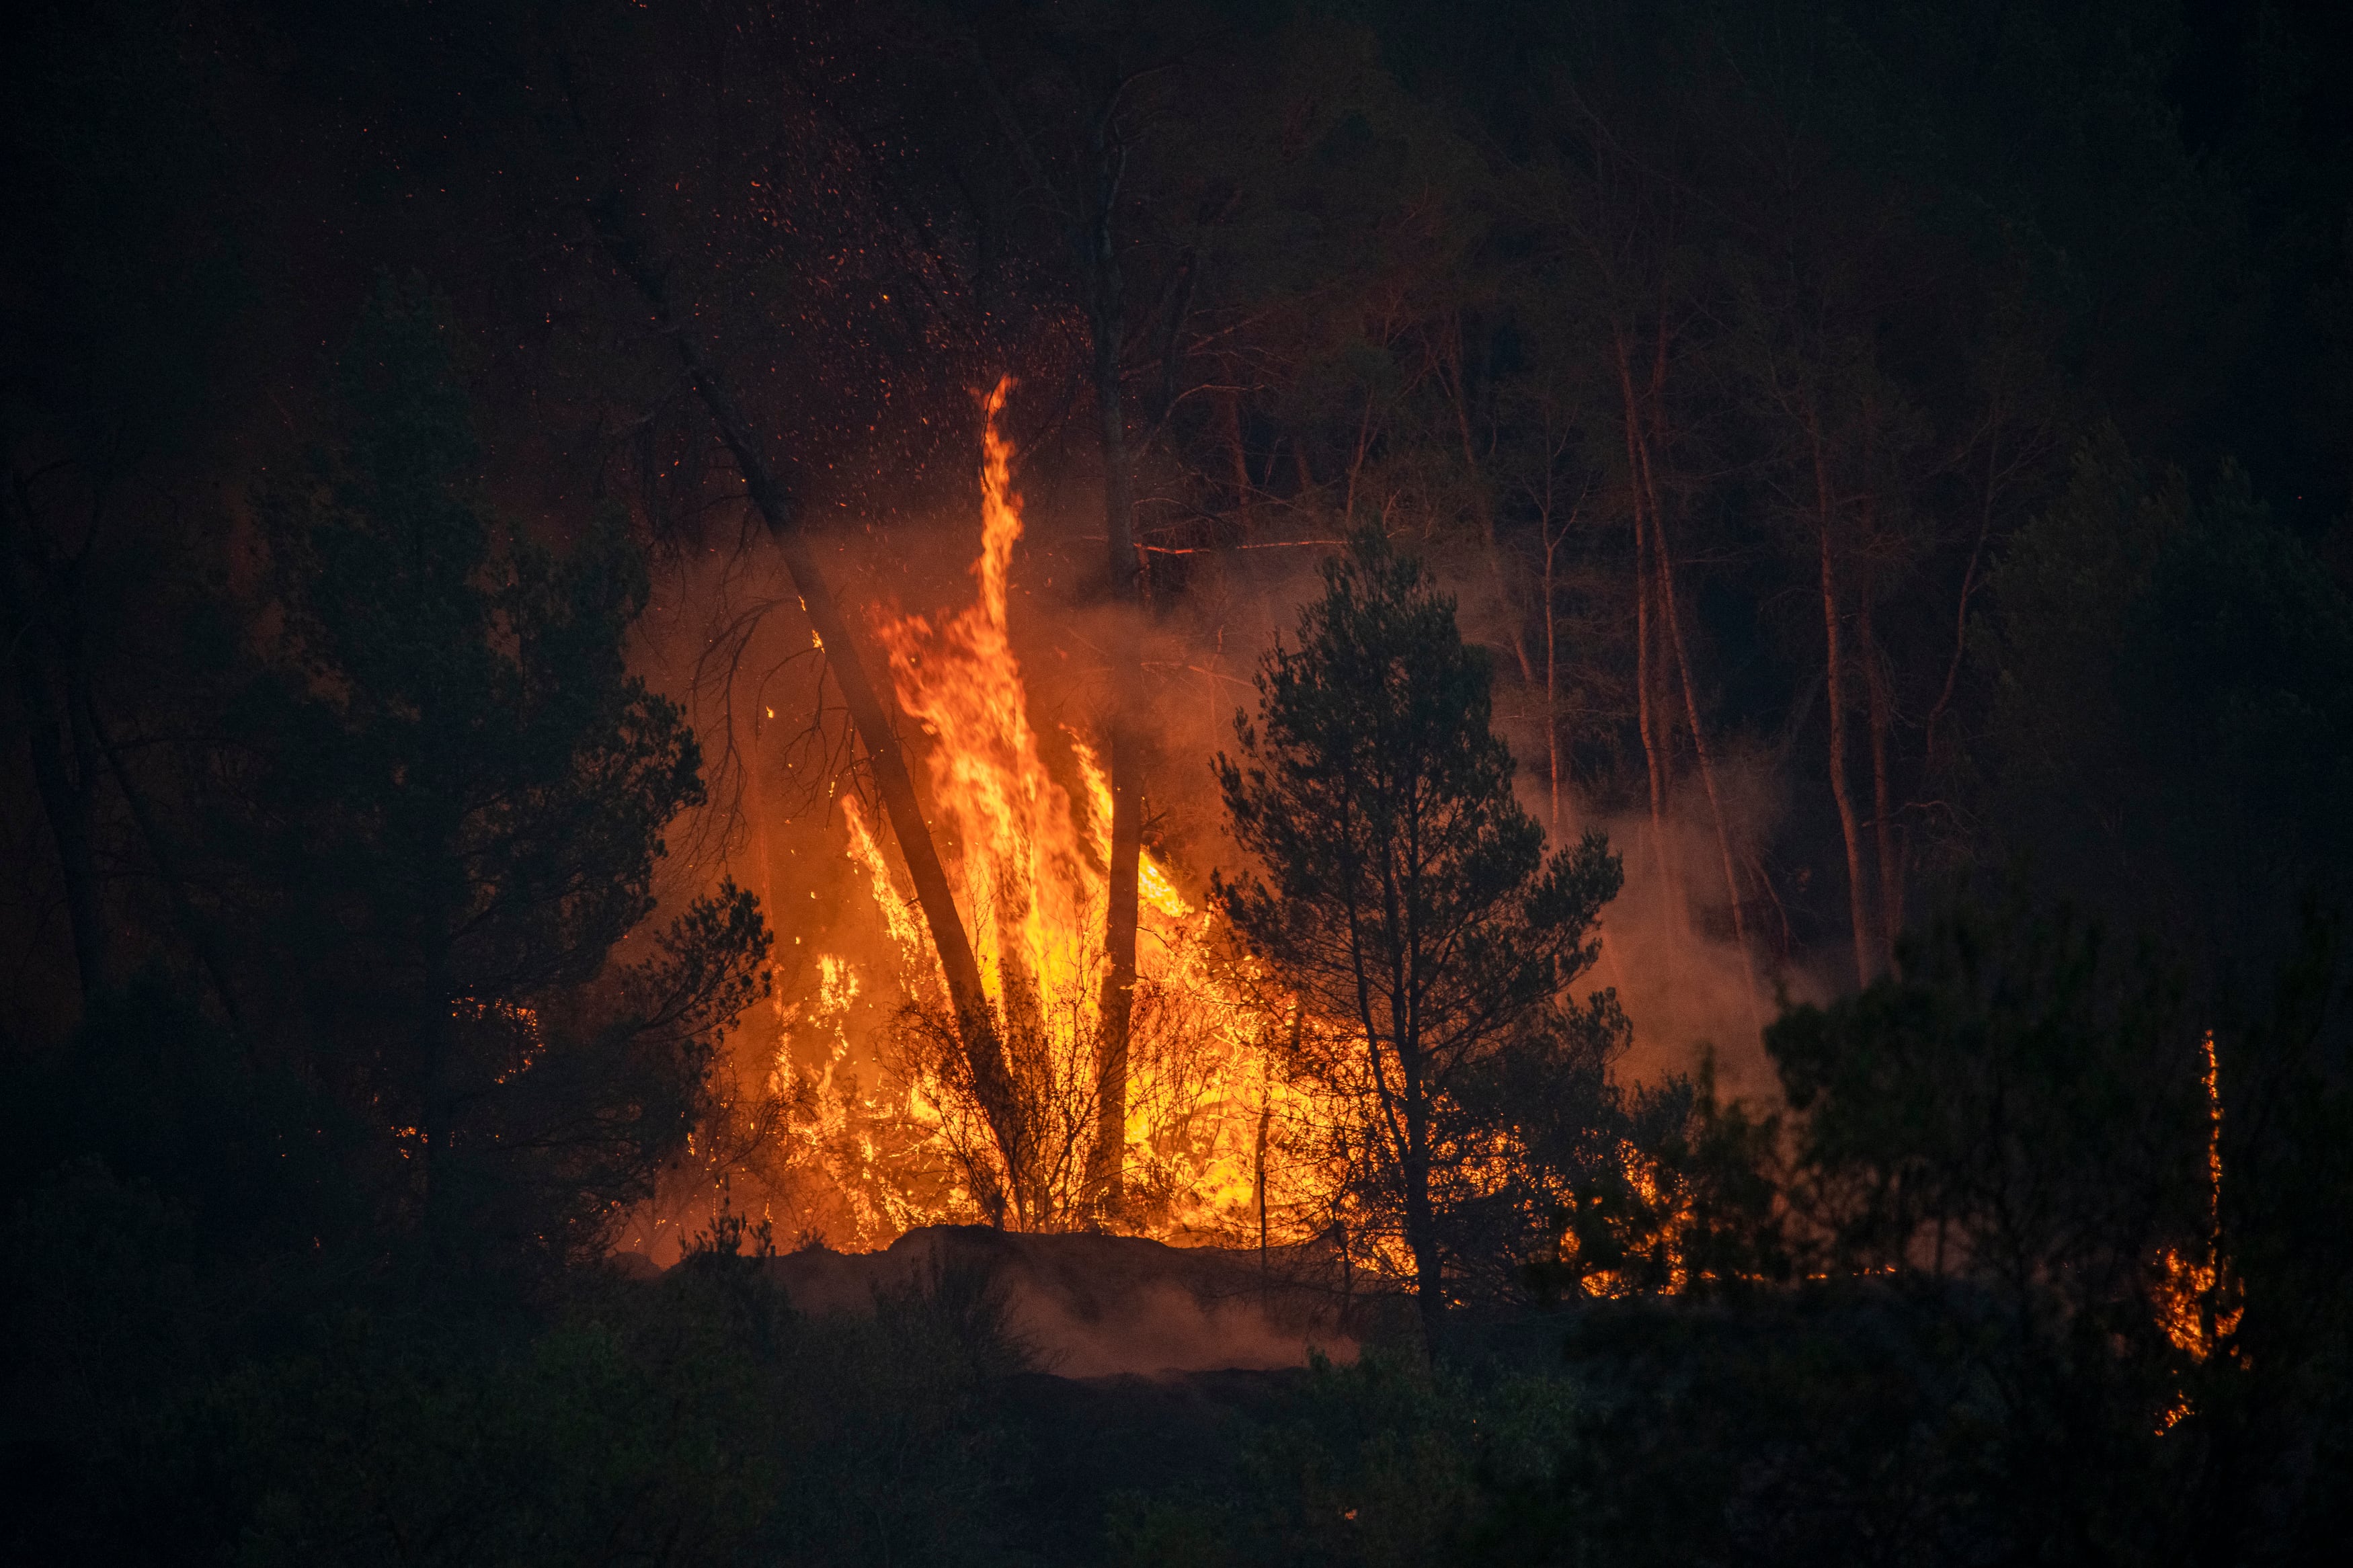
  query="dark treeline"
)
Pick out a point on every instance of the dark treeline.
point(1781, 392)
point(1898, 460)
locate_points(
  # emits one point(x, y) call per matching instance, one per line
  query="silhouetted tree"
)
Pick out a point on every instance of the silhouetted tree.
point(458, 798)
point(1401, 888)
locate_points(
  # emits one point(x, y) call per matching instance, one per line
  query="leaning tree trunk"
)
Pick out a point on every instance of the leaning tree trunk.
point(1839, 791)
point(1107, 1157)
point(975, 1024)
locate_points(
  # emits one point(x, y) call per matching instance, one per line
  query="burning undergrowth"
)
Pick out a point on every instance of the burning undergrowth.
point(870, 1113)
point(857, 1116)
point(860, 1117)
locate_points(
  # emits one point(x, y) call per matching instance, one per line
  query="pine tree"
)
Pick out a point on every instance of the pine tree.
point(457, 805)
point(1401, 888)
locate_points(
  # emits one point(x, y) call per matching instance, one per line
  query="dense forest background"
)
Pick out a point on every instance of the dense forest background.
point(2008, 352)
point(1898, 460)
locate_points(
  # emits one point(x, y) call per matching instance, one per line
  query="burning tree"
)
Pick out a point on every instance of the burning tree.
point(1404, 890)
point(1032, 864)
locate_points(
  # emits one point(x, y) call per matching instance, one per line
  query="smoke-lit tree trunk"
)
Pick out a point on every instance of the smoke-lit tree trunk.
point(1840, 790)
point(1107, 320)
point(1551, 682)
point(1882, 809)
point(975, 1024)
point(1699, 750)
point(1552, 532)
point(1682, 668)
point(1645, 721)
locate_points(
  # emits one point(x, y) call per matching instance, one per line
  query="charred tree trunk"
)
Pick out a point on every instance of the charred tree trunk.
point(1258, 1182)
point(1421, 1218)
point(1108, 1155)
point(1836, 670)
point(1961, 608)
point(1403, 1106)
point(975, 1024)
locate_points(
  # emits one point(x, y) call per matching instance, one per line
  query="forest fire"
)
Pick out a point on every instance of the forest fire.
point(2196, 1296)
point(1148, 783)
point(1205, 1106)
point(1228, 1141)
point(2193, 1300)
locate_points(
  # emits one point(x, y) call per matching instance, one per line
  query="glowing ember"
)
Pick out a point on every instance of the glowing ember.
point(2196, 1299)
point(2188, 1303)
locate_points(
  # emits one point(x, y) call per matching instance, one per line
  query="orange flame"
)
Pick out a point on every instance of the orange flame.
point(1221, 1145)
point(1031, 858)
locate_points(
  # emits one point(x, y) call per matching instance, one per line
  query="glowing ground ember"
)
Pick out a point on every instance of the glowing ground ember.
point(2196, 1297)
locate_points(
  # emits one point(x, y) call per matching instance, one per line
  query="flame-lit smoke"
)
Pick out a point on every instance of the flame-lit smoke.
point(875, 1130)
point(1668, 946)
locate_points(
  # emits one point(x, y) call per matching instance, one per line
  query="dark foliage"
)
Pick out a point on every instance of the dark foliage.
point(1405, 893)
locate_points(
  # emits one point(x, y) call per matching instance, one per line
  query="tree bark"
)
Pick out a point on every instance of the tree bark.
point(1840, 789)
point(975, 1024)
